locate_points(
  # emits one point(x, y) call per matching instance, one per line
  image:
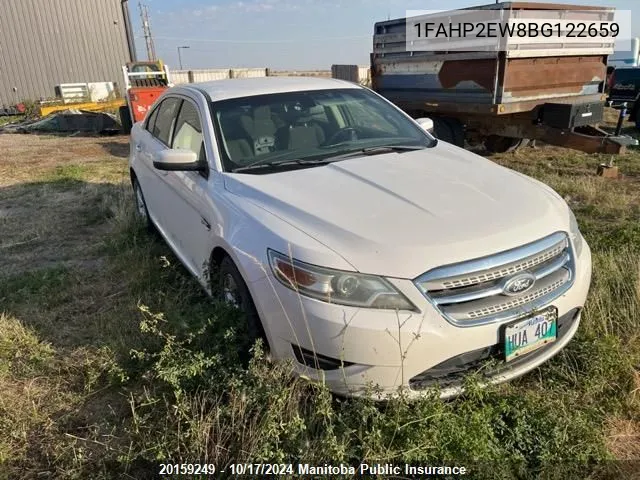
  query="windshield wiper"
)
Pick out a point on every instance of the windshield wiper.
point(284, 163)
point(320, 161)
point(376, 150)
point(392, 147)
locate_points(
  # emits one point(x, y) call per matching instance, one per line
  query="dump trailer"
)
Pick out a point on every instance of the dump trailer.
point(144, 83)
point(544, 89)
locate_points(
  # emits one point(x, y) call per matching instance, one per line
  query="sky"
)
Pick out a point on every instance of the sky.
point(283, 34)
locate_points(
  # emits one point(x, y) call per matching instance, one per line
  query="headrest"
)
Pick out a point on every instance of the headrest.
point(262, 113)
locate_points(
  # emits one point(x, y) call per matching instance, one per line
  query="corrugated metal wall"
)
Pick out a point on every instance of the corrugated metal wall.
point(44, 43)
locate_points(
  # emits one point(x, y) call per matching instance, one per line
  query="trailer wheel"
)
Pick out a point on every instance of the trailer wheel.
point(125, 119)
point(500, 144)
point(442, 130)
point(457, 131)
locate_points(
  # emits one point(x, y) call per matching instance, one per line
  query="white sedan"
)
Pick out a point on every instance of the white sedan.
point(357, 245)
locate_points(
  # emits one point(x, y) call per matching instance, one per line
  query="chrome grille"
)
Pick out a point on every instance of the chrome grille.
point(472, 292)
point(508, 270)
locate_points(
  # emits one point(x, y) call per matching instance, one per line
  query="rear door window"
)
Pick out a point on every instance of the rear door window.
point(188, 134)
point(166, 120)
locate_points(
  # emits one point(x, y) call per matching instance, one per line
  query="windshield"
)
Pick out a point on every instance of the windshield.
point(308, 127)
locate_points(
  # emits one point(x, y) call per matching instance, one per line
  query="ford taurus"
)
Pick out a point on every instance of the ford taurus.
point(355, 243)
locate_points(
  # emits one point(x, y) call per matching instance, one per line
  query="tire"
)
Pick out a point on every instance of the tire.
point(141, 206)
point(442, 130)
point(500, 144)
point(523, 143)
point(457, 131)
point(632, 114)
point(231, 288)
point(125, 119)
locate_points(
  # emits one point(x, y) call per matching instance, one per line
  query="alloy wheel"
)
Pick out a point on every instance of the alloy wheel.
point(230, 291)
point(140, 205)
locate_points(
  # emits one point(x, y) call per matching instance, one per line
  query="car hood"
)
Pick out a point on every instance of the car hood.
point(401, 214)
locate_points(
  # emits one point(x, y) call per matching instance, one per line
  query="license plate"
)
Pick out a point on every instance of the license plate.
point(530, 333)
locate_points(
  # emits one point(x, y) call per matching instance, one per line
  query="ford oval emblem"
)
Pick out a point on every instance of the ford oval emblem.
point(518, 284)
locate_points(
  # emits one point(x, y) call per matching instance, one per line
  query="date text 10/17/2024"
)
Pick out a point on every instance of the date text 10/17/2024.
point(240, 469)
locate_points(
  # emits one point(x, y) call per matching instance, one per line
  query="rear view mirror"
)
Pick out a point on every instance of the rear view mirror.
point(426, 124)
point(177, 160)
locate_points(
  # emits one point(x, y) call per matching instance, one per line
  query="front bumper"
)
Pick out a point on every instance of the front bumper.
point(385, 351)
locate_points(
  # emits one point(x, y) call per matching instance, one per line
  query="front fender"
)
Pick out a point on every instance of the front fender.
point(247, 230)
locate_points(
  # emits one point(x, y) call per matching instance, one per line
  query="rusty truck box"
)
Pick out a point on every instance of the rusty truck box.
point(481, 82)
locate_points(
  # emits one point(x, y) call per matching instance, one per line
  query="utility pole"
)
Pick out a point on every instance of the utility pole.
point(146, 30)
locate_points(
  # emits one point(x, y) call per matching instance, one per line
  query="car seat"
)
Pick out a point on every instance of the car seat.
point(235, 136)
point(261, 128)
point(304, 133)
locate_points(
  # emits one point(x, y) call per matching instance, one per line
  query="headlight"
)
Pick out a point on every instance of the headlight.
point(337, 286)
point(574, 233)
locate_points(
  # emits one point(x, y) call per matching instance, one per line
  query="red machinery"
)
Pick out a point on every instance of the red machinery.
point(145, 82)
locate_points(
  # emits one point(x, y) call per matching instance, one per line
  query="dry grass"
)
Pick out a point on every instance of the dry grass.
point(57, 195)
point(54, 194)
point(623, 437)
point(41, 386)
point(26, 158)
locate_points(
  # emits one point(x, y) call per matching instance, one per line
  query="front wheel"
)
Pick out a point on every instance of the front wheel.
point(232, 289)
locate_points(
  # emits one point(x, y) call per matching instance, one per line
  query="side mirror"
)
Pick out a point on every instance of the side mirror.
point(177, 160)
point(426, 124)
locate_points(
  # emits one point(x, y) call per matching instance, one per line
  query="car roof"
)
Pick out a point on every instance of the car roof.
point(245, 87)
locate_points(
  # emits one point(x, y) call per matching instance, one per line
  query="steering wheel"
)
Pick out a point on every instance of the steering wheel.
point(338, 136)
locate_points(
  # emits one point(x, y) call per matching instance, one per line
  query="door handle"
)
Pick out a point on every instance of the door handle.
point(138, 147)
